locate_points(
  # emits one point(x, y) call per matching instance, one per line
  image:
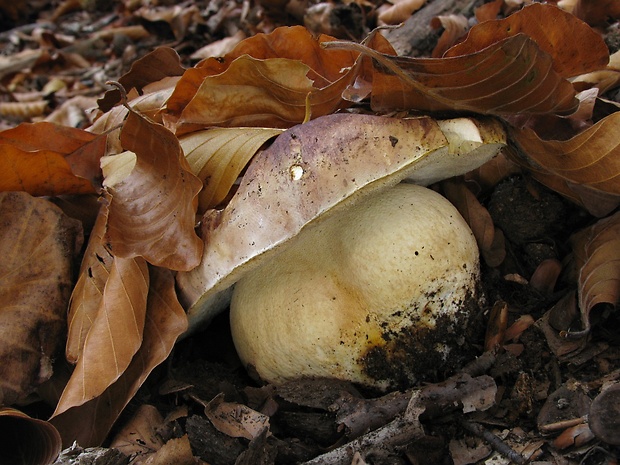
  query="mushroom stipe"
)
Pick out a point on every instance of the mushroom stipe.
point(383, 294)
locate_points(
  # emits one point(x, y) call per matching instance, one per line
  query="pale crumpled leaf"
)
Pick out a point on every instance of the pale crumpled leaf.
point(152, 207)
point(38, 242)
point(316, 168)
point(217, 157)
point(90, 423)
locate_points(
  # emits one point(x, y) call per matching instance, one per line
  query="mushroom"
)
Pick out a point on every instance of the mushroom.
point(380, 294)
point(317, 171)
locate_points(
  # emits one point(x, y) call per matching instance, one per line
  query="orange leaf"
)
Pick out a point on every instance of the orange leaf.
point(88, 291)
point(115, 335)
point(324, 68)
point(37, 244)
point(573, 46)
point(152, 209)
point(48, 159)
point(89, 423)
point(597, 252)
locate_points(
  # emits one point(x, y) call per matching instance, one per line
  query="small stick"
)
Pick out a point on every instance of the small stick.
point(496, 443)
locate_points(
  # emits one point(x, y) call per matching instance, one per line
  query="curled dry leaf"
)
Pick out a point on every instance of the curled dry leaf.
point(217, 156)
point(597, 252)
point(154, 66)
point(323, 74)
point(26, 440)
point(38, 246)
point(49, 159)
point(455, 27)
point(152, 207)
point(510, 76)
point(550, 27)
point(114, 336)
point(88, 291)
point(315, 169)
point(165, 320)
point(587, 163)
point(399, 11)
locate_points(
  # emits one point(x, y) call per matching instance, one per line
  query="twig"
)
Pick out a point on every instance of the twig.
point(496, 443)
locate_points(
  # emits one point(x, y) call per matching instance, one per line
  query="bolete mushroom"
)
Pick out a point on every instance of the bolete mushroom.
point(380, 294)
point(312, 174)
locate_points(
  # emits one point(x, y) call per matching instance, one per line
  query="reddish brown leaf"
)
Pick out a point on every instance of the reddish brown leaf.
point(585, 167)
point(327, 71)
point(510, 76)
point(48, 159)
point(152, 209)
point(573, 46)
point(154, 66)
point(26, 440)
point(597, 12)
point(114, 336)
point(90, 423)
point(37, 243)
point(597, 252)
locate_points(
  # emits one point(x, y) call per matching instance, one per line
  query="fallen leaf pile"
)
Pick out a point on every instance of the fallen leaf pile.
point(173, 153)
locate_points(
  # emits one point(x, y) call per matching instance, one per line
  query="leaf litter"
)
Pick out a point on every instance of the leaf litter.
point(556, 295)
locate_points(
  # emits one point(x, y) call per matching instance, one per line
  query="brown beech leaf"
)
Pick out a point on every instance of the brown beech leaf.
point(478, 218)
point(575, 48)
point(597, 254)
point(154, 66)
point(597, 12)
point(38, 243)
point(114, 336)
point(324, 73)
point(217, 156)
point(510, 76)
point(586, 164)
point(165, 321)
point(88, 291)
point(49, 159)
point(152, 207)
point(235, 420)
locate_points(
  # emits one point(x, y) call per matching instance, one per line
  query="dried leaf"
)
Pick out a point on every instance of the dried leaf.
point(37, 243)
point(152, 210)
point(455, 27)
point(48, 159)
point(597, 12)
point(154, 66)
point(590, 159)
point(510, 76)
point(90, 423)
point(114, 336)
point(399, 11)
point(236, 420)
point(26, 440)
point(88, 291)
point(597, 252)
point(324, 73)
point(315, 168)
point(549, 27)
point(217, 156)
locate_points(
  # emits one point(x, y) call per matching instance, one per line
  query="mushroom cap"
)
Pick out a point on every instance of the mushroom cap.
point(379, 294)
point(315, 170)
